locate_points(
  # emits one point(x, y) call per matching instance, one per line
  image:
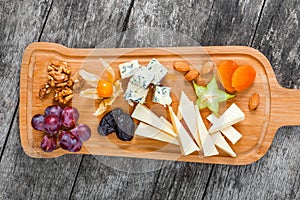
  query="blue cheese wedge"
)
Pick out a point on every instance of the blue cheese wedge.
point(162, 95)
point(158, 70)
point(143, 77)
point(135, 93)
point(128, 69)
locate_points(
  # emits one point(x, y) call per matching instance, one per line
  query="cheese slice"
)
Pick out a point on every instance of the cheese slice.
point(165, 122)
point(148, 131)
point(188, 114)
point(220, 142)
point(231, 116)
point(187, 145)
point(230, 133)
point(144, 114)
point(207, 143)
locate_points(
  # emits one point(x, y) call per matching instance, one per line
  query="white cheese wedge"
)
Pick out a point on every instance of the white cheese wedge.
point(220, 142)
point(207, 143)
point(230, 133)
point(187, 110)
point(231, 116)
point(144, 114)
point(165, 122)
point(128, 69)
point(154, 133)
point(187, 145)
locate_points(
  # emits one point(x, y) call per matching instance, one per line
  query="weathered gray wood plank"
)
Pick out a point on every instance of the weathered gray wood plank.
point(15, 23)
point(74, 24)
point(232, 22)
point(277, 174)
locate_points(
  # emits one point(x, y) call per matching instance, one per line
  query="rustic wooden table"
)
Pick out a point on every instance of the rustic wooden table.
point(271, 26)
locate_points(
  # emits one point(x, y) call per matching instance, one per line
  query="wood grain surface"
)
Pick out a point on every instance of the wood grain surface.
point(271, 26)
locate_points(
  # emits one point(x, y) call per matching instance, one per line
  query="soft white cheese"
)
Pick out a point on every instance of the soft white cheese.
point(189, 116)
point(162, 95)
point(144, 114)
point(230, 133)
point(231, 116)
point(158, 70)
point(135, 93)
point(207, 143)
point(128, 69)
point(220, 142)
point(154, 133)
point(187, 145)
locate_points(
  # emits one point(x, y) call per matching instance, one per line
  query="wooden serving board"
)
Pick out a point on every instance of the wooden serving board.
point(278, 106)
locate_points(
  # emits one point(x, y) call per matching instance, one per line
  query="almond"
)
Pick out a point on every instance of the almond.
point(191, 75)
point(253, 101)
point(181, 66)
point(207, 68)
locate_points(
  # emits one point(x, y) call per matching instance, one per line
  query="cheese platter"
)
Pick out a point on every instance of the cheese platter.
point(160, 103)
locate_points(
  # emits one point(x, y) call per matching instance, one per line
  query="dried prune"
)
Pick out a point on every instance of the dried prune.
point(108, 124)
point(125, 127)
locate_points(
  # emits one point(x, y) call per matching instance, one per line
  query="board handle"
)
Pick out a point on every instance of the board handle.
point(286, 107)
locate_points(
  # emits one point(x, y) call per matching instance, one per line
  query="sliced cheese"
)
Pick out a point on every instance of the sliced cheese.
point(144, 114)
point(148, 131)
point(189, 116)
point(220, 142)
point(231, 116)
point(230, 133)
point(165, 122)
point(187, 145)
point(207, 143)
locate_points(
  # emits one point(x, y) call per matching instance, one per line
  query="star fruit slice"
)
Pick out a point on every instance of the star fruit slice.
point(210, 96)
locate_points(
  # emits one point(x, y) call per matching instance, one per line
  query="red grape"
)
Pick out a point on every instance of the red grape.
point(82, 131)
point(69, 116)
point(69, 142)
point(53, 110)
point(52, 124)
point(76, 147)
point(37, 122)
point(48, 143)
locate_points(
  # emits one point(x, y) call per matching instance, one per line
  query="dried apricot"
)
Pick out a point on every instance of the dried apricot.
point(243, 77)
point(225, 71)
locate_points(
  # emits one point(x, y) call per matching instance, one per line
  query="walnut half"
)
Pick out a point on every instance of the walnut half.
point(59, 80)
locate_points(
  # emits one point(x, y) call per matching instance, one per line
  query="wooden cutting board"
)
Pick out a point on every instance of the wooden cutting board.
point(278, 106)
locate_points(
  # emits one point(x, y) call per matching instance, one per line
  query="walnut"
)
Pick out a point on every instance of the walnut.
point(59, 80)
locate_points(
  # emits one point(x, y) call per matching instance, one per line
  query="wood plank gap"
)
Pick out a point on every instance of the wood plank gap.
point(75, 180)
point(257, 24)
point(209, 15)
point(10, 126)
point(156, 181)
point(125, 23)
point(44, 24)
point(208, 180)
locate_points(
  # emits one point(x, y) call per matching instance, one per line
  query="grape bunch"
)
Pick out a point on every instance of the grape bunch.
point(61, 128)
